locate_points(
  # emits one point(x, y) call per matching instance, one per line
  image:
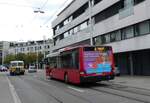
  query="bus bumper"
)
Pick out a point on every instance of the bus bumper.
point(85, 79)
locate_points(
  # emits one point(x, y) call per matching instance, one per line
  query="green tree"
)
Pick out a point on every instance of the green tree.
point(20, 56)
point(29, 58)
point(9, 58)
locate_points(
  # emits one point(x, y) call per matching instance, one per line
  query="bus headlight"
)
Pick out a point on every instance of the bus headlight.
point(81, 72)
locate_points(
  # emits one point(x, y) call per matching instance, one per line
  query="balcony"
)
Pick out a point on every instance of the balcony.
point(78, 37)
point(125, 12)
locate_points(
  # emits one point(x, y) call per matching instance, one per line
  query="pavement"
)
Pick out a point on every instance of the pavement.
point(6, 94)
point(134, 81)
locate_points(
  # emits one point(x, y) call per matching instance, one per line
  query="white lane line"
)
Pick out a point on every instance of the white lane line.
point(76, 89)
point(13, 92)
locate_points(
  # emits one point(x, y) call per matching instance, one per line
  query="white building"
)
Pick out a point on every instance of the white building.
point(4, 47)
point(40, 46)
point(123, 24)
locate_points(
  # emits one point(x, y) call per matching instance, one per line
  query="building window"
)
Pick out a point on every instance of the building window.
point(106, 38)
point(138, 1)
point(144, 28)
point(80, 11)
point(71, 32)
point(96, 1)
point(115, 36)
point(127, 32)
point(61, 36)
point(66, 34)
point(66, 21)
point(75, 30)
point(118, 35)
point(61, 24)
point(112, 10)
point(70, 19)
point(98, 40)
point(84, 25)
point(128, 3)
point(23, 49)
point(35, 48)
point(31, 48)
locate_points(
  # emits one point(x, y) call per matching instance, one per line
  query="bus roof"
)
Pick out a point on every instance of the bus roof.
point(53, 54)
point(80, 46)
point(17, 61)
point(70, 48)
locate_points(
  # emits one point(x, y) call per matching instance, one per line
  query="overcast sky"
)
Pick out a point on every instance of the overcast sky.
point(18, 22)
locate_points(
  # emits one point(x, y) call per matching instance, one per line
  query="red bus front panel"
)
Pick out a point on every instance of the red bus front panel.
point(98, 63)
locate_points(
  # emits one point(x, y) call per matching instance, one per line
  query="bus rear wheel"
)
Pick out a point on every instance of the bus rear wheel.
point(66, 78)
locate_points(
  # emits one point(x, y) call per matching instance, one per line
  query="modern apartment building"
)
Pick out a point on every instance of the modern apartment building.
point(40, 46)
point(123, 24)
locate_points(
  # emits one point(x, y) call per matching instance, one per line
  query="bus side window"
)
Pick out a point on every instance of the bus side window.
point(75, 59)
point(66, 61)
point(53, 62)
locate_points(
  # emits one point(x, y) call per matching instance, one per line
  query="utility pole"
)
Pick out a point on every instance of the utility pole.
point(91, 22)
point(44, 39)
point(37, 54)
point(3, 55)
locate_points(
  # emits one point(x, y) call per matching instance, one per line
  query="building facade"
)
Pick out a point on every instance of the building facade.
point(41, 46)
point(123, 24)
point(4, 47)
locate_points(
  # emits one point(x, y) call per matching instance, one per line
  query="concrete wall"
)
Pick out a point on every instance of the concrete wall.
point(140, 13)
point(71, 9)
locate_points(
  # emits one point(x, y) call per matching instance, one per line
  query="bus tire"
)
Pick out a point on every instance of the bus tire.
point(66, 78)
point(50, 76)
point(11, 74)
point(22, 73)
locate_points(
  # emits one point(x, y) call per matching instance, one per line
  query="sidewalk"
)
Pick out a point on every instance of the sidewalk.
point(133, 81)
point(5, 93)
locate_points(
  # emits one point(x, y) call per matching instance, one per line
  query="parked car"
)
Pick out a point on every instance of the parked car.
point(117, 71)
point(32, 69)
point(3, 69)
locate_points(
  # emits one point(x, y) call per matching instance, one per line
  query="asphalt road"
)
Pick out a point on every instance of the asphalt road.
point(33, 88)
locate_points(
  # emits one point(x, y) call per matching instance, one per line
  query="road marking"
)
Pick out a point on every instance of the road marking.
point(13, 92)
point(79, 90)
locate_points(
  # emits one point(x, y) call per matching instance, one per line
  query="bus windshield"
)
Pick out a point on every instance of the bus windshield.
point(97, 59)
point(13, 64)
point(20, 64)
point(17, 63)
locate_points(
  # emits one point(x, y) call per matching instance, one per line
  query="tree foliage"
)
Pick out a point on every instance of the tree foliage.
point(28, 59)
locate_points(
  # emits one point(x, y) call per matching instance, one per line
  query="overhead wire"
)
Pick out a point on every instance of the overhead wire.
point(39, 8)
point(17, 5)
point(44, 4)
point(54, 14)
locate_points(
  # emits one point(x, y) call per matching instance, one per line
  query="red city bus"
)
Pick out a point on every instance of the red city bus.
point(81, 64)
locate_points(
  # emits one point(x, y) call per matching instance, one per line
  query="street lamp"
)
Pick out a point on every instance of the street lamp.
point(39, 11)
point(37, 54)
